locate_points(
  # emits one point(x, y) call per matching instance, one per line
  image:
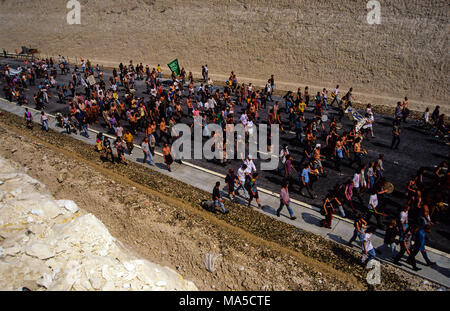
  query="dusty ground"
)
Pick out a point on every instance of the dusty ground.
point(301, 42)
point(160, 219)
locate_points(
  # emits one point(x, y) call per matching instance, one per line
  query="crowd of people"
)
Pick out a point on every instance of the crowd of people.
point(93, 99)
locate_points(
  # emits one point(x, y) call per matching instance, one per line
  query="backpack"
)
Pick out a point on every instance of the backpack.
point(208, 205)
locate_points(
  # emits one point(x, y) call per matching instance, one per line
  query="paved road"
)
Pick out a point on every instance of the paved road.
point(416, 150)
point(308, 217)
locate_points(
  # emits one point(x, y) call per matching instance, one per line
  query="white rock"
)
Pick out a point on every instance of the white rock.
point(37, 212)
point(10, 251)
point(129, 266)
point(96, 283)
point(63, 253)
point(68, 205)
point(40, 250)
point(45, 280)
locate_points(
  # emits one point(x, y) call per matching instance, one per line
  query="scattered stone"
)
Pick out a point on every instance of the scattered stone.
point(13, 151)
point(241, 268)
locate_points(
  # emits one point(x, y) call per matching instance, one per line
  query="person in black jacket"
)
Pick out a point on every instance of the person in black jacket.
point(217, 198)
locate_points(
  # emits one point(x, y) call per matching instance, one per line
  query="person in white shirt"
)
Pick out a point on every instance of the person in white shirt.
point(284, 152)
point(241, 173)
point(251, 168)
point(244, 119)
point(372, 207)
point(212, 103)
point(357, 184)
point(335, 94)
point(368, 252)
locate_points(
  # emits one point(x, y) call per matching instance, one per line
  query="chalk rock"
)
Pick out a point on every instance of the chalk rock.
point(40, 250)
point(45, 280)
point(46, 245)
point(68, 205)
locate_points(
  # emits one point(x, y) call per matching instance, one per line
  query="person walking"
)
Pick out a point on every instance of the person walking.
point(334, 94)
point(285, 201)
point(328, 210)
point(253, 190)
point(359, 227)
point(368, 250)
point(44, 121)
point(168, 158)
point(107, 149)
point(217, 198)
point(231, 179)
point(396, 131)
point(389, 237)
point(242, 173)
point(405, 243)
point(372, 210)
point(29, 119)
point(128, 138)
point(305, 181)
point(147, 154)
point(419, 246)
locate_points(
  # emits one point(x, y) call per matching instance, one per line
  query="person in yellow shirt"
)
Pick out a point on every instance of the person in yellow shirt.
point(302, 106)
point(128, 138)
point(159, 71)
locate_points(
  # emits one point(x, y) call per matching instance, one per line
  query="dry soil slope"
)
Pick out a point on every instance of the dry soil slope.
point(319, 42)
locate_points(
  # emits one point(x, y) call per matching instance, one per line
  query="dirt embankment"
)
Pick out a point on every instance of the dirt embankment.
point(160, 219)
point(301, 42)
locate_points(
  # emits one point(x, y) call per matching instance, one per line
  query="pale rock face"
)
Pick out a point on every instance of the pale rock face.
point(56, 246)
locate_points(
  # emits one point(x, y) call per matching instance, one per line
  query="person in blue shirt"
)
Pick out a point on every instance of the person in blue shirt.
point(305, 181)
point(419, 246)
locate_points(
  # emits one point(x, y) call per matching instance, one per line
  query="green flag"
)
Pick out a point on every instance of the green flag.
point(173, 65)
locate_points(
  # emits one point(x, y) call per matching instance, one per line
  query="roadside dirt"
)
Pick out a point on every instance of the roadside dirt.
point(160, 219)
